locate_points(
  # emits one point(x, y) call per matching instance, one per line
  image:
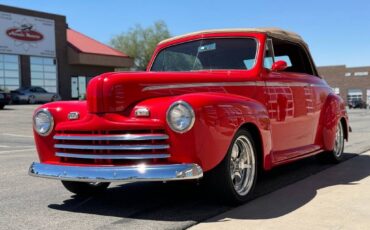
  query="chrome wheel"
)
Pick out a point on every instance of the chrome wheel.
point(339, 141)
point(32, 99)
point(242, 165)
point(234, 178)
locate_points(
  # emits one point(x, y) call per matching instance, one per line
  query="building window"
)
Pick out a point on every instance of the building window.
point(9, 71)
point(44, 73)
point(347, 74)
point(361, 73)
point(336, 91)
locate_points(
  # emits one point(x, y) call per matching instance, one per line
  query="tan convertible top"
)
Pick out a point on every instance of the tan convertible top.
point(272, 32)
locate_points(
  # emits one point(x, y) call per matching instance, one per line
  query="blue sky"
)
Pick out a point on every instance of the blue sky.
point(338, 32)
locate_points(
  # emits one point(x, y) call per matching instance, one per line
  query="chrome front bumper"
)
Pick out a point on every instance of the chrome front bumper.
point(117, 173)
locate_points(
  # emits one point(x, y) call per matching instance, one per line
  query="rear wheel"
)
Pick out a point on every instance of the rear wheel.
point(235, 177)
point(336, 155)
point(31, 99)
point(85, 188)
point(2, 106)
point(53, 98)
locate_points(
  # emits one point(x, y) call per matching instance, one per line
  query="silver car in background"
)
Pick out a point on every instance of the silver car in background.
point(32, 95)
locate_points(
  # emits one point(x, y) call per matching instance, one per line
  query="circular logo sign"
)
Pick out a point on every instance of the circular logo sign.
point(24, 34)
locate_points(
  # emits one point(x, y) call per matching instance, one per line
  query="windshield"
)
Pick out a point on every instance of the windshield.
point(208, 54)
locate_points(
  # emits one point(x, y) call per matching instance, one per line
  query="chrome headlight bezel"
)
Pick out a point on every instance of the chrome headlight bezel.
point(190, 111)
point(51, 122)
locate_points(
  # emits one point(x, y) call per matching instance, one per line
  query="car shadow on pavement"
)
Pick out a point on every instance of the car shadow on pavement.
point(190, 203)
point(289, 199)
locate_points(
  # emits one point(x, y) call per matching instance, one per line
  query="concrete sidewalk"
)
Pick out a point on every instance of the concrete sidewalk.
point(336, 198)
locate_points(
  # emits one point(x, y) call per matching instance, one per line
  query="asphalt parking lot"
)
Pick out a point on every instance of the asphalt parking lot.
point(33, 203)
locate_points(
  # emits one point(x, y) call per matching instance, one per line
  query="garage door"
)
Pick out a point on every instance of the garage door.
point(354, 95)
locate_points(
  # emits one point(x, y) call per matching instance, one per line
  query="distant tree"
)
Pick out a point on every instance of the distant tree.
point(139, 43)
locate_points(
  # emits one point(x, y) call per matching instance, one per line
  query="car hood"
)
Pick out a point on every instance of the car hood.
point(115, 92)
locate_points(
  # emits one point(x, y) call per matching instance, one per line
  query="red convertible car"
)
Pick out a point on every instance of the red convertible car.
point(219, 105)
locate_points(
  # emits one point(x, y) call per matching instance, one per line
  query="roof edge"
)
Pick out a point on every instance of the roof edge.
point(100, 54)
point(101, 43)
point(32, 11)
point(272, 31)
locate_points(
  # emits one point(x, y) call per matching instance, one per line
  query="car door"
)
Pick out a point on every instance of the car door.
point(289, 98)
point(42, 95)
point(33, 94)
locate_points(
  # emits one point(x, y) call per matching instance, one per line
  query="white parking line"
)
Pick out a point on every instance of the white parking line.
point(16, 135)
point(21, 146)
point(17, 147)
point(15, 151)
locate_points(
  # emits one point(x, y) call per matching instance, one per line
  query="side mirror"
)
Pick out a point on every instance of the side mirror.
point(279, 66)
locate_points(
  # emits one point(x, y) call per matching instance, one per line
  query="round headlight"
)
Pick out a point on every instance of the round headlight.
point(180, 117)
point(43, 122)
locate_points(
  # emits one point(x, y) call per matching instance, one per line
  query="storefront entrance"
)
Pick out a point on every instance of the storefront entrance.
point(78, 87)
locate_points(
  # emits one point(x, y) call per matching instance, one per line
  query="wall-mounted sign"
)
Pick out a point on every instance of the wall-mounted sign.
point(20, 34)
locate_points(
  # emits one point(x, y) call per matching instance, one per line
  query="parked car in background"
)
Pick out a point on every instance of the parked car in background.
point(32, 95)
point(4, 99)
point(219, 105)
point(357, 104)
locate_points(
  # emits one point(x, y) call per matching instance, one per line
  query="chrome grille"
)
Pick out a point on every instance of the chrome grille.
point(112, 145)
point(124, 137)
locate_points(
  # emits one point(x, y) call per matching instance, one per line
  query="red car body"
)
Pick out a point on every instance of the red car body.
point(291, 115)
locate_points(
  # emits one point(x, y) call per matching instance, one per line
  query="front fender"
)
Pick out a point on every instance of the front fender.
point(218, 117)
point(59, 111)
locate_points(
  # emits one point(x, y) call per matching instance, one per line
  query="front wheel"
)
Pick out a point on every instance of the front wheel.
point(235, 177)
point(85, 188)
